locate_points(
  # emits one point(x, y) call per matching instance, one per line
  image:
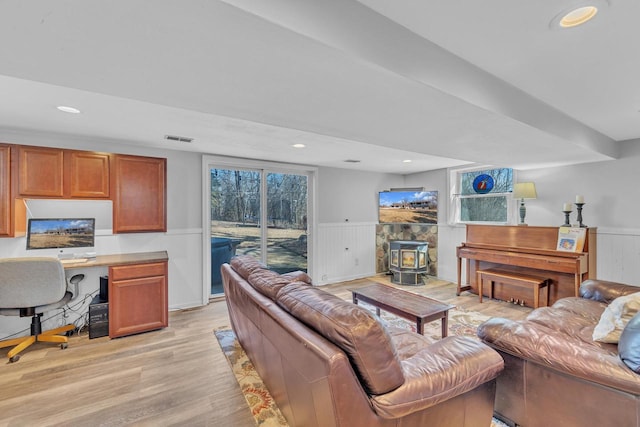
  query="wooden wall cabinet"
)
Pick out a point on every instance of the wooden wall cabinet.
point(12, 211)
point(138, 298)
point(5, 190)
point(139, 187)
point(40, 172)
point(57, 173)
point(86, 174)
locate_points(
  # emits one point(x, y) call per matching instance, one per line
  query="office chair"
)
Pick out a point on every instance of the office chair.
point(31, 287)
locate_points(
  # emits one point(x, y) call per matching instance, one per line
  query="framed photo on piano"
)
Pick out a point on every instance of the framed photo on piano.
point(571, 239)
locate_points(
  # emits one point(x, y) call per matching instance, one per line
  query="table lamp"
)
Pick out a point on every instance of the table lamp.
point(524, 190)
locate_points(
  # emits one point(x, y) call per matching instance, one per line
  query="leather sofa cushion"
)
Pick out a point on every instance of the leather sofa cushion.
point(350, 327)
point(244, 265)
point(629, 345)
point(587, 309)
point(579, 326)
point(269, 282)
point(298, 276)
point(407, 342)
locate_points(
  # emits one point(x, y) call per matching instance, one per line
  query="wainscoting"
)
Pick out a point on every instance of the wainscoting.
point(347, 251)
point(619, 255)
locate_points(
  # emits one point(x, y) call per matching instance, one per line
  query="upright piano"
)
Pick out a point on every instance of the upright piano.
point(528, 250)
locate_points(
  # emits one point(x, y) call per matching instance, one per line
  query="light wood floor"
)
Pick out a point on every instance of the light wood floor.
point(175, 376)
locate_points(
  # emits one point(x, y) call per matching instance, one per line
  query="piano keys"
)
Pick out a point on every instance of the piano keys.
point(529, 250)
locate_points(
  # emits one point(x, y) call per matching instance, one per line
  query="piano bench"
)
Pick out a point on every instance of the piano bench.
point(513, 278)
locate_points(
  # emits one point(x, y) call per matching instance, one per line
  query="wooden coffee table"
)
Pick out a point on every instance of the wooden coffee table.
point(408, 305)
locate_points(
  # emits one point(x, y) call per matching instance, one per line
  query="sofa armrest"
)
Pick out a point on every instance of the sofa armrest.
point(605, 291)
point(443, 370)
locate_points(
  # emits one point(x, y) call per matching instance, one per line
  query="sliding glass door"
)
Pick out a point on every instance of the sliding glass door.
point(235, 218)
point(262, 212)
point(287, 222)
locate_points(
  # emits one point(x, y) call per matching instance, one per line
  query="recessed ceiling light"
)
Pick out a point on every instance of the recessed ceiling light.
point(578, 16)
point(298, 145)
point(406, 161)
point(67, 109)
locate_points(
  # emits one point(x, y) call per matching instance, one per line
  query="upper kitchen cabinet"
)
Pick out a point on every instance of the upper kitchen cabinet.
point(139, 194)
point(5, 190)
point(12, 210)
point(87, 174)
point(136, 185)
point(57, 173)
point(40, 172)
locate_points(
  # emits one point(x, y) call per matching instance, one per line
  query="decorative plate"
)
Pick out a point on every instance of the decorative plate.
point(483, 183)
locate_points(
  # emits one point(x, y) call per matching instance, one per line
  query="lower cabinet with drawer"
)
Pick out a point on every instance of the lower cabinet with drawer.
point(138, 298)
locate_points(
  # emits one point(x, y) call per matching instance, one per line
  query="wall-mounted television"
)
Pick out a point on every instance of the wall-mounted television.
point(399, 207)
point(47, 233)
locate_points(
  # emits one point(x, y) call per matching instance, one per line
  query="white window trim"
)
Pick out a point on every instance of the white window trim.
point(454, 204)
point(239, 163)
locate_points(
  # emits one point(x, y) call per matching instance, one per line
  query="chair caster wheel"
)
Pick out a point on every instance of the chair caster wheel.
point(63, 346)
point(14, 358)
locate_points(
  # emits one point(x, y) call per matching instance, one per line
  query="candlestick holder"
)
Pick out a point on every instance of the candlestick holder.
point(566, 219)
point(580, 205)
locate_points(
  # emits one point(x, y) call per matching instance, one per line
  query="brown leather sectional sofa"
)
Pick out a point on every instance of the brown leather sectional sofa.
point(555, 374)
point(328, 362)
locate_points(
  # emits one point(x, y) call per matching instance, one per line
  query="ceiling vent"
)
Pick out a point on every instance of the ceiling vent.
point(352, 161)
point(178, 138)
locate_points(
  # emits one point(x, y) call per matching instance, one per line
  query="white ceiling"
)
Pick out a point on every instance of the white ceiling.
point(442, 83)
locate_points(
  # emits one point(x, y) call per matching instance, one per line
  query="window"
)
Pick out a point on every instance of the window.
point(481, 195)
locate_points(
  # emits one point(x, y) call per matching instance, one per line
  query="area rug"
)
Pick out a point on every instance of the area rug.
point(264, 409)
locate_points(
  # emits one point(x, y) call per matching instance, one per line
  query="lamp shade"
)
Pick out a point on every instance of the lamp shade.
point(524, 190)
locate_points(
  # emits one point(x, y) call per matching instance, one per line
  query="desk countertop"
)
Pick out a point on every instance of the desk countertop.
point(120, 259)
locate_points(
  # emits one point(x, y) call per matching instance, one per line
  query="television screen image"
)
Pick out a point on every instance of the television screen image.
point(397, 207)
point(60, 233)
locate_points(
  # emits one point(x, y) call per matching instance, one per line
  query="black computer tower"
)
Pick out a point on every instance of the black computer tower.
point(98, 318)
point(104, 288)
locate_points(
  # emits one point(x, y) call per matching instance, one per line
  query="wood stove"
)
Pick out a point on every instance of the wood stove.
point(408, 261)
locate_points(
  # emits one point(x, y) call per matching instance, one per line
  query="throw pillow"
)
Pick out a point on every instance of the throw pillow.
point(615, 317)
point(629, 345)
